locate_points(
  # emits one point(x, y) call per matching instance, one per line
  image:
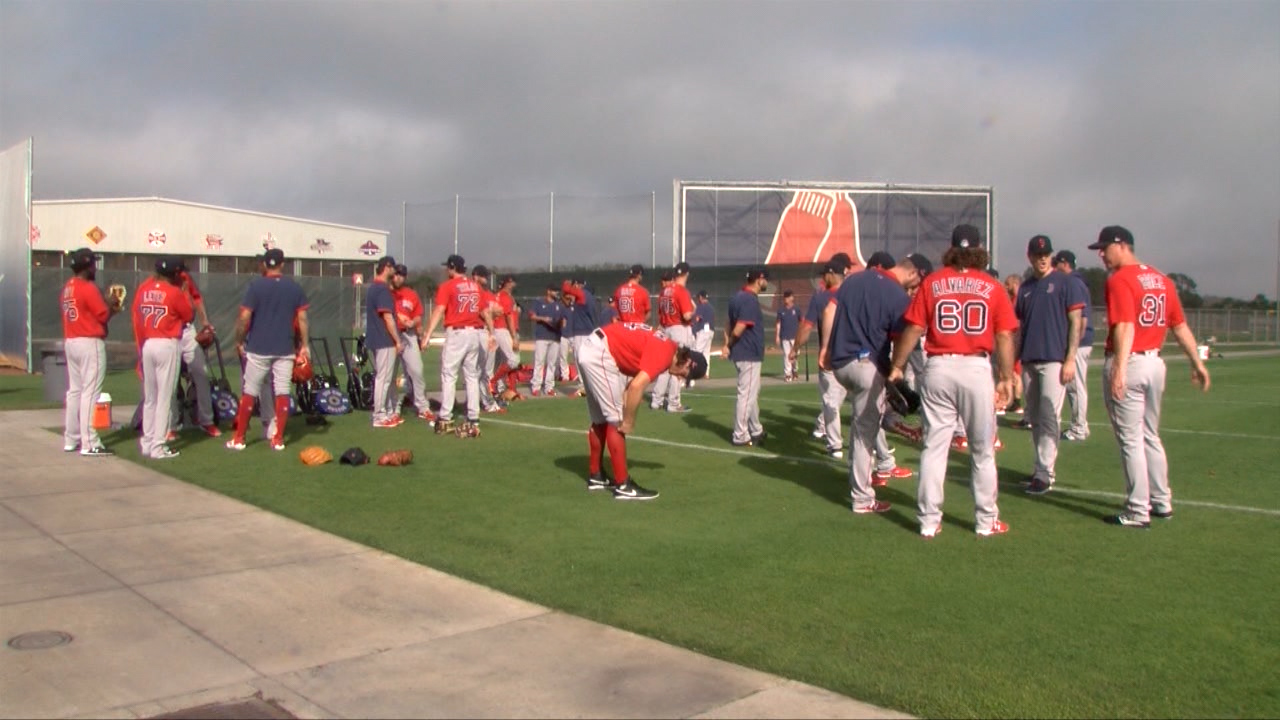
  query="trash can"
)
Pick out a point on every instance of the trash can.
point(53, 363)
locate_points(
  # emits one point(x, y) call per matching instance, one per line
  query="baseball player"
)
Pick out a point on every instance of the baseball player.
point(1078, 388)
point(160, 309)
point(271, 327)
point(1049, 307)
point(408, 316)
point(831, 393)
point(966, 315)
point(704, 328)
point(744, 346)
point(480, 275)
point(193, 356)
point(675, 314)
point(467, 327)
point(618, 362)
point(784, 334)
point(1142, 307)
point(506, 332)
point(857, 326)
point(546, 315)
point(915, 362)
point(1011, 285)
point(382, 340)
point(609, 313)
point(85, 314)
point(580, 319)
point(632, 299)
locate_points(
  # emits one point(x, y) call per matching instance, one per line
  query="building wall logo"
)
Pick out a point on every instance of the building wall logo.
point(213, 242)
point(156, 238)
point(370, 249)
point(268, 242)
point(321, 246)
point(35, 235)
point(96, 235)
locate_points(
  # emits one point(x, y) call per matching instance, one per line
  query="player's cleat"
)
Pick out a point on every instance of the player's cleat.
point(277, 446)
point(897, 473)
point(164, 453)
point(171, 436)
point(551, 393)
point(388, 423)
point(599, 481)
point(877, 506)
point(997, 444)
point(98, 451)
point(835, 454)
point(1023, 424)
point(495, 409)
point(1015, 406)
point(677, 408)
point(998, 527)
point(1127, 520)
point(211, 430)
point(758, 440)
point(71, 447)
point(580, 392)
point(999, 412)
point(1072, 437)
point(1162, 514)
point(1038, 487)
point(629, 490)
point(930, 533)
point(427, 415)
point(959, 442)
point(535, 393)
point(819, 434)
point(235, 444)
point(397, 419)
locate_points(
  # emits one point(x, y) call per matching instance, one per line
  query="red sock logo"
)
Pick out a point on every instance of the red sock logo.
point(814, 226)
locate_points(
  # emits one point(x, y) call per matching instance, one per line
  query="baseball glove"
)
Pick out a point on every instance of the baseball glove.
point(902, 398)
point(204, 338)
point(396, 458)
point(116, 295)
point(315, 455)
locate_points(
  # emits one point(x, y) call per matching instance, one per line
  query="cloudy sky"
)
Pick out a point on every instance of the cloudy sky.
point(1161, 116)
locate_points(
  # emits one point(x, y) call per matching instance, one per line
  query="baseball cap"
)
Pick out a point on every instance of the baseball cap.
point(82, 258)
point(965, 236)
point(636, 270)
point(507, 279)
point(841, 261)
point(682, 268)
point(1111, 235)
point(1065, 256)
point(384, 262)
point(402, 270)
point(167, 265)
point(701, 294)
point(882, 260)
point(456, 263)
point(667, 276)
point(697, 365)
point(922, 264)
point(480, 271)
point(1040, 245)
point(354, 456)
point(756, 273)
point(274, 257)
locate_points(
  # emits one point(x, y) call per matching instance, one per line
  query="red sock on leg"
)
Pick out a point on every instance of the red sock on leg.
point(243, 411)
point(282, 416)
point(595, 441)
point(617, 445)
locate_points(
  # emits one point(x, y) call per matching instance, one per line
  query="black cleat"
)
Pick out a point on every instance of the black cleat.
point(1162, 514)
point(599, 481)
point(1126, 520)
point(629, 490)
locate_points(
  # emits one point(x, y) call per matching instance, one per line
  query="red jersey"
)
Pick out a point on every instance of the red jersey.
point(84, 310)
point(408, 305)
point(188, 285)
point(673, 302)
point(510, 313)
point(961, 312)
point(160, 309)
point(632, 301)
point(1142, 295)
point(460, 298)
point(637, 347)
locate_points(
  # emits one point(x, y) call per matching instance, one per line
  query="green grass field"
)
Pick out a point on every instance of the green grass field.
point(752, 555)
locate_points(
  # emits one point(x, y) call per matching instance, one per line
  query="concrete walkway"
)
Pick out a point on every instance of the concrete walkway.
point(175, 597)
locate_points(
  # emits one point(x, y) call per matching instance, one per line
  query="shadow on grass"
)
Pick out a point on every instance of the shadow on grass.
point(576, 465)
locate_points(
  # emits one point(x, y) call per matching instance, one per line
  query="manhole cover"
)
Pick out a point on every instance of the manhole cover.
point(39, 640)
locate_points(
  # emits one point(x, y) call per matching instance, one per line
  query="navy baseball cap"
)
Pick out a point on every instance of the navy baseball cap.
point(1111, 235)
point(636, 270)
point(480, 271)
point(881, 259)
point(697, 365)
point(506, 279)
point(1040, 245)
point(701, 294)
point(682, 268)
point(82, 258)
point(966, 236)
point(841, 261)
point(667, 276)
point(402, 270)
point(756, 273)
point(274, 257)
point(167, 265)
point(922, 264)
point(1065, 256)
point(384, 262)
point(456, 263)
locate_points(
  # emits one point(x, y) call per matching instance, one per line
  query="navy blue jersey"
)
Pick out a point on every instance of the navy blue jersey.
point(1042, 308)
point(788, 323)
point(580, 318)
point(869, 307)
point(549, 309)
point(275, 302)
point(813, 312)
point(745, 308)
point(376, 302)
point(1086, 339)
point(704, 317)
point(607, 315)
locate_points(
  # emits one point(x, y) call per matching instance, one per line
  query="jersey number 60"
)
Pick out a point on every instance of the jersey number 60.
point(953, 316)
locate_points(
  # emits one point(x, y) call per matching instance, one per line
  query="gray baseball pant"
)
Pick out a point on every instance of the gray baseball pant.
point(828, 422)
point(193, 356)
point(957, 391)
point(788, 365)
point(461, 352)
point(915, 366)
point(702, 343)
point(86, 369)
point(1136, 422)
point(267, 377)
point(545, 358)
point(562, 370)
point(746, 411)
point(1078, 394)
point(506, 354)
point(160, 360)
point(667, 388)
point(603, 381)
point(384, 374)
point(411, 359)
point(1043, 394)
point(865, 385)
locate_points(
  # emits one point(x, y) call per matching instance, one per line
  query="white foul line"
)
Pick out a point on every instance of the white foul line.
point(825, 462)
